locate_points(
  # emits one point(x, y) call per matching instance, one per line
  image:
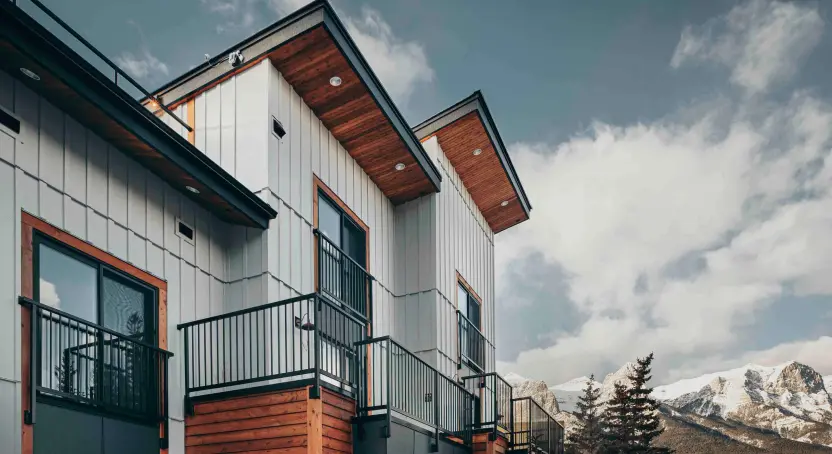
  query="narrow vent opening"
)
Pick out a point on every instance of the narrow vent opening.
point(185, 231)
point(9, 121)
point(277, 128)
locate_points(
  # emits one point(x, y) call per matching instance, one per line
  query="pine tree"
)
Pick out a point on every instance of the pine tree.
point(645, 424)
point(588, 438)
point(618, 421)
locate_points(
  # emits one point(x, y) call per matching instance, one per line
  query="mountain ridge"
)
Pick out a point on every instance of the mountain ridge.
point(782, 408)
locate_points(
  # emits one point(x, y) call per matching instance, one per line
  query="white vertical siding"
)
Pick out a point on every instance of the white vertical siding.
point(232, 125)
point(59, 171)
point(309, 149)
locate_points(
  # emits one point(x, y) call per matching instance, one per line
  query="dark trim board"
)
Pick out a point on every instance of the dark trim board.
point(83, 92)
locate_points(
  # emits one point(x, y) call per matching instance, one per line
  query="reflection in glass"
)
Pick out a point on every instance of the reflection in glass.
point(67, 284)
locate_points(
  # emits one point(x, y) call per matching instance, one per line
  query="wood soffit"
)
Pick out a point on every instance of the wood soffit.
point(489, 177)
point(358, 113)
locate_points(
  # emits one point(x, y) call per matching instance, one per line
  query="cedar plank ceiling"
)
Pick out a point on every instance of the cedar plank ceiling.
point(350, 113)
point(484, 176)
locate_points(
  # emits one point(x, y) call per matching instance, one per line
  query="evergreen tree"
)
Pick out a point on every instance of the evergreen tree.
point(618, 422)
point(588, 438)
point(645, 424)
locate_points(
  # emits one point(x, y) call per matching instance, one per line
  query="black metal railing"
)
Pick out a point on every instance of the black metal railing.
point(471, 343)
point(535, 429)
point(78, 361)
point(307, 337)
point(92, 56)
point(493, 406)
point(342, 278)
point(394, 380)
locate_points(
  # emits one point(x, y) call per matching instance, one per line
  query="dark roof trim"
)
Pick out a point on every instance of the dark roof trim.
point(476, 102)
point(88, 82)
point(353, 56)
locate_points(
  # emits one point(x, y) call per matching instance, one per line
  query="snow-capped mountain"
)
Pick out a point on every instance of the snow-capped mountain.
point(568, 393)
point(776, 409)
point(788, 399)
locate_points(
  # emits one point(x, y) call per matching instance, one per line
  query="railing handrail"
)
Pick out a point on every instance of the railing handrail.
point(23, 301)
point(320, 234)
point(529, 398)
point(262, 307)
point(467, 320)
point(100, 55)
point(397, 344)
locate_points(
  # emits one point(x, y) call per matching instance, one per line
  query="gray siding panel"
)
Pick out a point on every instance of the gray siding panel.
point(59, 171)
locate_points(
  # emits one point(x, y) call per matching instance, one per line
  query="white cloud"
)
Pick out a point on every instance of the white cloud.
point(746, 189)
point(761, 42)
point(814, 352)
point(142, 64)
point(284, 7)
point(401, 65)
point(238, 15)
point(48, 294)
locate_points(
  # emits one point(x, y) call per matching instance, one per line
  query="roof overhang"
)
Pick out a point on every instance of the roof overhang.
point(82, 91)
point(308, 47)
point(489, 177)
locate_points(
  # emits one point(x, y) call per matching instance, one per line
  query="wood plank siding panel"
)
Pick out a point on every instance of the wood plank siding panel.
point(267, 422)
point(59, 171)
point(338, 412)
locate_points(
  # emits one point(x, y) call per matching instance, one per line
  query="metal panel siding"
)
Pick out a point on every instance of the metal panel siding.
point(76, 181)
point(227, 125)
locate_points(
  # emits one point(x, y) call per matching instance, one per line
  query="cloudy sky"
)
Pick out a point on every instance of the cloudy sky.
point(675, 154)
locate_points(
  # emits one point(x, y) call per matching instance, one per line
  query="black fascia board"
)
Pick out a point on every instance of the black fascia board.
point(427, 128)
point(348, 48)
point(75, 72)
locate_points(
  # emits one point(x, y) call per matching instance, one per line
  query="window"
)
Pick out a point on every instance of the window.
point(342, 251)
point(93, 291)
point(471, 340)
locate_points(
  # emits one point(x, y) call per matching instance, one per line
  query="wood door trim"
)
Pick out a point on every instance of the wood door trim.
point(31, 224)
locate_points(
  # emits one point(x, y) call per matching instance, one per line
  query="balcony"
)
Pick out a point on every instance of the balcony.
point(82, 363)
point(395, 382)
point(342, 279)
point(493, 403)
point(534, 430)
point(471, 344)
point(303, 340)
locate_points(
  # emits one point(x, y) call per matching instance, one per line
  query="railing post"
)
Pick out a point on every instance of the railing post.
point(435, 447)
point(163, 443)
point(34, 356)
point(188, 407)
point(389, 382)
point(315, 391)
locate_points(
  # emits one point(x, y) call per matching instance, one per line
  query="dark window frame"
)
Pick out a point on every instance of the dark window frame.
point(346, 220)
point(151, 331)
point(472, 299)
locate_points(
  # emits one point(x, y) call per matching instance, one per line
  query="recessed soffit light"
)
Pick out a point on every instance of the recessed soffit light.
point(399, 166)
point(192, 189)
point(335, 81)
point(29, 73)
point(477, 152)
point(505, 203)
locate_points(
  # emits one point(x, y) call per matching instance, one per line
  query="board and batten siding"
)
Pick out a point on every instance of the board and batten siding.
point(233, 126)
point(444, 234)
point(63, 173)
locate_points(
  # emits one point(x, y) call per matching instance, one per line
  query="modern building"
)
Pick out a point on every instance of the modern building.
point(259, 256)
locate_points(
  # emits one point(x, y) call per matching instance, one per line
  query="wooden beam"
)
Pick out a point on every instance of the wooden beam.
point(314, 423)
